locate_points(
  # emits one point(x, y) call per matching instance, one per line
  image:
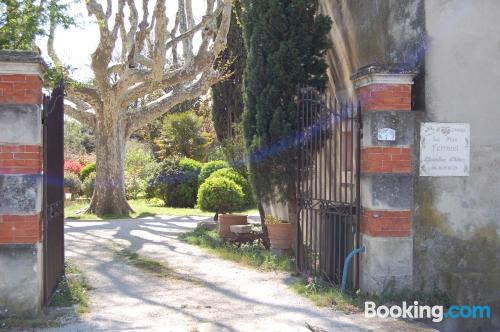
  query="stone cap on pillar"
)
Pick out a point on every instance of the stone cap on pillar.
point(394, 73)
point(18, 62)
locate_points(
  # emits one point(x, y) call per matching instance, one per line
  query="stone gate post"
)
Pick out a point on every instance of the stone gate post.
point(21, 248)
point(387, 176)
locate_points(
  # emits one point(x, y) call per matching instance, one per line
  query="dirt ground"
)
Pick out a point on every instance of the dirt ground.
point(208, 294)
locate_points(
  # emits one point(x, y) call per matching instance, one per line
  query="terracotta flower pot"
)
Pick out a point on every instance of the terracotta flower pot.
point(67, 194)
point(226, 220)
point(280, 235)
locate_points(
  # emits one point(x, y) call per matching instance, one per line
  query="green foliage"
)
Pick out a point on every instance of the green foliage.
point(209, 168)
point(189, 164)
point(22, 21)
point(286, 43)
point(175, 182)
point(72, 181)
point(227, 97)
point(233, 175)
point(182, 135)
point(139, 167)
point(152, 134)
point(88, 185)
point(234, 150)
point(87, 170)
point(78, 139)
point(220, 195)
point(250, 255)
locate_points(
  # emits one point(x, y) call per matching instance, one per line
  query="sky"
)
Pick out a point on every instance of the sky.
point(75, 45)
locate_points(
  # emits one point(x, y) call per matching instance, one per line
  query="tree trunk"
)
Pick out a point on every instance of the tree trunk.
point(109, 189)
point(262, 214)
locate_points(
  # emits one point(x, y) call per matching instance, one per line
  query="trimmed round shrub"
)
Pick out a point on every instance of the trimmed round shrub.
point(220, 195)
point(175, 182)
point(209, 168)
point(88, 185)
point(234, 175)
point(190, 164)
point(72, 182)
point(85, 171)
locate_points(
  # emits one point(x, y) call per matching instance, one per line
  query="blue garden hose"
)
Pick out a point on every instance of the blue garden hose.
point(347, 261)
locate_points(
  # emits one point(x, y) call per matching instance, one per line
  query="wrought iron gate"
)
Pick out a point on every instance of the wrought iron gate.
point(329, 195)
point(53, 189)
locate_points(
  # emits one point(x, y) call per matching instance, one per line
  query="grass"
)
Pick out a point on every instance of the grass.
point(142, 209)
point(144, 263)
point(324, 294)
point(249, 255)
point(72, 290)
point(152, 266)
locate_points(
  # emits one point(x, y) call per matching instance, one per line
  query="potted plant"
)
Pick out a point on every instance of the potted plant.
point(222, 196)
point(280, 233)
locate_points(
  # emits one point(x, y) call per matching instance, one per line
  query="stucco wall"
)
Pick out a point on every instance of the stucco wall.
point(457, 219)
point(375, 31)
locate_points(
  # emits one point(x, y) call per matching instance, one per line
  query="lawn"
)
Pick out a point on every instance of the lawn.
point(142, 209)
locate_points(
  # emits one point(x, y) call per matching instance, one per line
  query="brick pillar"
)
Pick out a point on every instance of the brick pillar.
point(21, 249)
point(387, 176)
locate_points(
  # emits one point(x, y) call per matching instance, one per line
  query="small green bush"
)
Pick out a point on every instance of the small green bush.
point(85, 171)
point(88, 185)
point(190, 164)
point(220, 195)
point(234, 175)
point(72, 181)
point(175, 182)
point(209, 168)
point(139, 167)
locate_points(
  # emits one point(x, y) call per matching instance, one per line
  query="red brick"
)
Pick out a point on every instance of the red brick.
point(20, 159)
point(386, 223)
point(386, 160)
point(25, 89)
point(13, 78)
point(27, 155)
point(25, 170)
point(6, 155)
point(33, 148)
point(13, 148)
point(20, 163)
point(20, 228)
point(385, 97)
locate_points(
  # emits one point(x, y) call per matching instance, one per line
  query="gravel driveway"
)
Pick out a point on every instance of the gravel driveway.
point(215, 295)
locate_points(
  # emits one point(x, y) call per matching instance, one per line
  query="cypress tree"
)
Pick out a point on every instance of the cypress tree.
point(227, 98)
point(286, 41)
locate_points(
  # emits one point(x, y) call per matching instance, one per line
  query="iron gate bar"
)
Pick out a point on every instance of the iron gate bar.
point(328, 186)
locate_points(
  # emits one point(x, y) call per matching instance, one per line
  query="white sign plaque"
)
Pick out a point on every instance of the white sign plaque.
point(386, 134)
point(444, 149)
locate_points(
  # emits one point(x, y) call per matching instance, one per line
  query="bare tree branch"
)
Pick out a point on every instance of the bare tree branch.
point(84, 117)
point(50, 40)
point(85, 93)
point(155, 109)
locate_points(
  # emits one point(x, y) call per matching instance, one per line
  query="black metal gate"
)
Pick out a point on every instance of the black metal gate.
point(53, 189)
point(329, 195)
